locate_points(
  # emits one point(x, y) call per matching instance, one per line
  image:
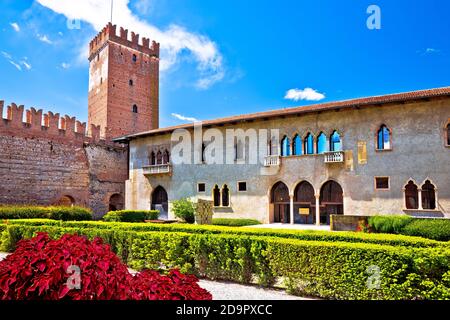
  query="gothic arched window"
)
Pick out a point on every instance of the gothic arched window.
point(309, 144)
point(321, 143)
point(384, 138)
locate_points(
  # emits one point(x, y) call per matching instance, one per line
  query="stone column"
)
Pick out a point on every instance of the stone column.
point(420, 199)
point(318, 209)
point(292, 208)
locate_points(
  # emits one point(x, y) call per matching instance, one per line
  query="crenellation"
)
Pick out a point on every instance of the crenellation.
point(35, 118)
point(134, 38)
point(70, 126)
point(124, 33)
point(52, 123)
point(146, 43)
point(80, 127)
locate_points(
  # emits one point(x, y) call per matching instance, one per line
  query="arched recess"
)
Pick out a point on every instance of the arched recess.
point(65, 201)
point(116, 202)
point(411, 195)
point(428, 195)
point(304, 203)
point(331, 201)
point(225, 196)
point(160, 201)
point(279, 198)
point(216, 196)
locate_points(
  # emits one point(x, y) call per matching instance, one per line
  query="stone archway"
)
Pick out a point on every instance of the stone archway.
point(331, 201)
point(279, 198)
point(116, 202)
point(160, 201)
point(304, 203)
point(66, 201)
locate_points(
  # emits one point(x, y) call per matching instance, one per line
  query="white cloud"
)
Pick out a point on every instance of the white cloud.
point(175, 40)
point(44, 38)
point(144, 6)
point(26, 65)
point(307, 94)
point(65, 65)
point(15, 26)
point(17, 64)
point(6, 55)
point(184, 118)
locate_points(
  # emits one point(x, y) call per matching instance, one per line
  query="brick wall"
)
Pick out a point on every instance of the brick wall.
point(48, 157)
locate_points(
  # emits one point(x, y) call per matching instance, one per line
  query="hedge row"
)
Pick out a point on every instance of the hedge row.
point(436, 229)
point(37, 212)
point(332, 270)
point(234, 222)
point(309, 235)
point(131, 215)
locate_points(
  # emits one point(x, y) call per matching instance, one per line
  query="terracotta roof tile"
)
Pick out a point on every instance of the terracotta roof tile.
point(360, 102)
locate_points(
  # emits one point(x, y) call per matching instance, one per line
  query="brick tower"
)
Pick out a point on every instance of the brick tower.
point(123, 83)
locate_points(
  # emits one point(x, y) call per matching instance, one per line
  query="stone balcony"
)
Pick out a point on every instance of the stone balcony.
point(272, 161)
point(157, 169)
point(334, 157)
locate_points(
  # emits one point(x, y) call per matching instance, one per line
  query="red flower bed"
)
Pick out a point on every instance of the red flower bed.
point(77, 269)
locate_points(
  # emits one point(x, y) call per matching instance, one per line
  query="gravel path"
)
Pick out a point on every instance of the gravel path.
point(233, 291)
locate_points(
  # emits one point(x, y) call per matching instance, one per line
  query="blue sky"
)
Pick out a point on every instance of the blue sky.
point(227, 57)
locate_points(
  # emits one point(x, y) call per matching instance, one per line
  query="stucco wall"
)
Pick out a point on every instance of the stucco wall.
point(418, 152)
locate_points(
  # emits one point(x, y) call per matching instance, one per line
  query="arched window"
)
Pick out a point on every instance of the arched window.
point(225, 196)
point(130, 82)
point(203, 153)
point(309, 144)
point(335, 142)
point(384, 138)
point(428, 196)
point(239, 150)
point(166, 157)
point(273, 147)
point(321, 143)
point(297, 146)
point(159, 158)
point(448, 134)
point(152, 158)
point(134, 58)
point(135, 108)
point(411, 196)
point(216, 196)
point(285, 147)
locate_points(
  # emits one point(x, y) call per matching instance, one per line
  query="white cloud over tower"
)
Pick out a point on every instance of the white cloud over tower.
point(175, 40)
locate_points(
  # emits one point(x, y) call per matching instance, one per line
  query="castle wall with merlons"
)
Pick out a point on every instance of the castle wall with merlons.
point(46, 157)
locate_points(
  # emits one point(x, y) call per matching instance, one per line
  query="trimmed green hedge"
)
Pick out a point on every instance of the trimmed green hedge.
point(309, 235)
point(131, 215)
point(37, 212)
point(436, 229)
point(234, 222)
point(332, 270)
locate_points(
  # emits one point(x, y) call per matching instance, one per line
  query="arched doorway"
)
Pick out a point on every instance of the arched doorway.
point(331, 201)
point(304, 203)
point(279, 197)
point(160, 202)
point(116, 202)
point(66, 201)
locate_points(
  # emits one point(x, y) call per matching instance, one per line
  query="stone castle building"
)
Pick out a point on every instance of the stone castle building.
point(47, 159)
point(379, 155)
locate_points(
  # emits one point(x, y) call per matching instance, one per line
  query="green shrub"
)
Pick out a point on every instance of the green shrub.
point(184, 209)
point(131, 215)
point(331, 270)
point(436, 229)
point(309, 235)
point(234, 222)
point(36, 212)
point(389, 224)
